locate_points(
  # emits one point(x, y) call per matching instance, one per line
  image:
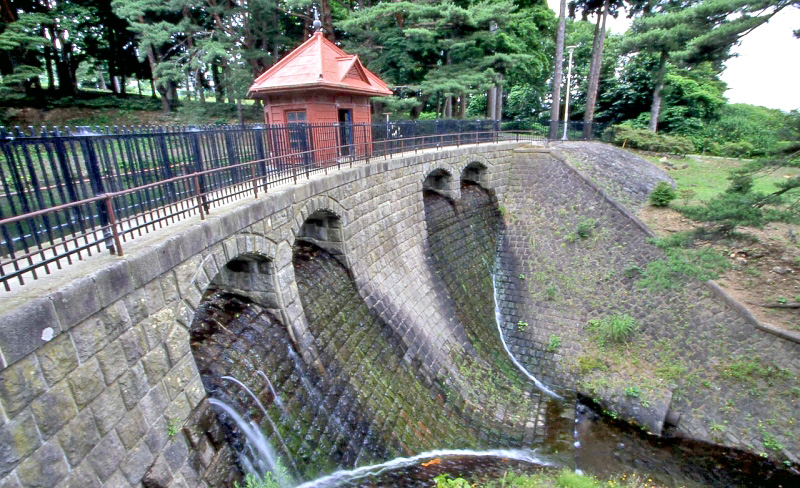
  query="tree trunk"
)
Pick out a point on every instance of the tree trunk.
point(48, 59)
point(162, 90)
point(165, 105)
point(219, 92)
point(198, 80)
point(463, 110)
point(448, 107)
point(327, 20)
point(112, 65)
point(491, 99)
point(102, 81)
point(498, 104)
point(594, 71)
point(555, 110)
point(188, 86)
point(65, 83)
point(655, 108)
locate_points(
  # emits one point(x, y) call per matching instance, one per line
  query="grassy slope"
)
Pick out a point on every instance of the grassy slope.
point(708, 176)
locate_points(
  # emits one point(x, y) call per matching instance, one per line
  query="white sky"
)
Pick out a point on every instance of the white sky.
point(767, 69)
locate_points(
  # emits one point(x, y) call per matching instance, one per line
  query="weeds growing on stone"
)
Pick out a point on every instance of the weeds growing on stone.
point(554, 343)
point(614, 329)
point(753, 371)
point(633, 392)
point(583, 230)
point(681, 263)
point(173, 427)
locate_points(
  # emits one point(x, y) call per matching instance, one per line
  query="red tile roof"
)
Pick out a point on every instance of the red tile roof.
point(318, 63)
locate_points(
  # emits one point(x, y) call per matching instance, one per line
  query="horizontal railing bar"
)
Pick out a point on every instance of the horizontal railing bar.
point(151, 205)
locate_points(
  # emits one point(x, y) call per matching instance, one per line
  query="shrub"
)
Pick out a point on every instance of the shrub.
point(662, 194)
point(583, 230)
point(554, 343)
point(686, 195)
point(626, 136)
point(614, 329)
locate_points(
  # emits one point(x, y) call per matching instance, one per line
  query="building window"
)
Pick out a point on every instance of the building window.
point(296, 117)
point(298, 140)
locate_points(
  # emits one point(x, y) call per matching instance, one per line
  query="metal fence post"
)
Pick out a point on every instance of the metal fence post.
point(96, 183)
point(113, 223)
point(199, 196)
point(198, 167)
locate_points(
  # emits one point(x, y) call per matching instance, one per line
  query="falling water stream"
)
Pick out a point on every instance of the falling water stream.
point(365, 414)
point(499, 319)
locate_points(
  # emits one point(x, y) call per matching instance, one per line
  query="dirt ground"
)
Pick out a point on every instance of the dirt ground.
point(765, 272)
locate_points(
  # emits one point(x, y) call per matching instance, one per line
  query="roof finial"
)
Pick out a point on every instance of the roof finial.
point(317, 24)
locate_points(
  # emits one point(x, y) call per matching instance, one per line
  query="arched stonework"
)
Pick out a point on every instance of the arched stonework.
point(439, 179)
point(194, 281)
point(476, 172)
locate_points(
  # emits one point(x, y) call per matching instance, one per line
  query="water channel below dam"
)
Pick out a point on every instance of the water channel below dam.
point(365, 412)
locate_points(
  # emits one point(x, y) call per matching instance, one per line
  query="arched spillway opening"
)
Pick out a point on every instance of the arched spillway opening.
point(354, 395)
point(245, 357)
point(463, 236)
point(402, 407)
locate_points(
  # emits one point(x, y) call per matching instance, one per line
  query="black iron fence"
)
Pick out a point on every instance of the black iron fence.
point(554, 130)
point(69, 193)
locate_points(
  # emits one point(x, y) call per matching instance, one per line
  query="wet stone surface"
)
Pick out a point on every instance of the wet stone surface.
point(367, 403)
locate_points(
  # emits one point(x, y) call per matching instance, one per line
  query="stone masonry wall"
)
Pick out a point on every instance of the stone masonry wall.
point(98, 385)
point(691, 348)
point(97, 380)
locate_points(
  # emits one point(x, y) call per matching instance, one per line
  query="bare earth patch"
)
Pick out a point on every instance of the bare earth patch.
point(763, 272)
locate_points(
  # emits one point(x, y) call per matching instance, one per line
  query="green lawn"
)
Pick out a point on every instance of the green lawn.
point(708, 176)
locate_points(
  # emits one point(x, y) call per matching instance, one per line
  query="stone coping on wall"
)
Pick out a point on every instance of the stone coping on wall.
point(39, 311)
point(713, 286)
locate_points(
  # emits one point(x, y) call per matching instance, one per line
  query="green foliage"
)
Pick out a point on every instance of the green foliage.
point(571, 479)
point(742, 205)
point(633, 391)
point(522, 325)
point(554, 343)
point(771, 442)
point(446, 49)
point(627, 136)
point(686, 195)
point(445, 481)
point(681, 263)
point(590, 362)
point(690, 34)
point(743, 130)
point(253, 481)
point(752, 370)
point(614, 329)
point(662, 194)
point(173, 427)
point(583, 230)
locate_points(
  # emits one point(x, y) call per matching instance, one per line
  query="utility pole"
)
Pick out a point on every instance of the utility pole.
point(566, 104)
